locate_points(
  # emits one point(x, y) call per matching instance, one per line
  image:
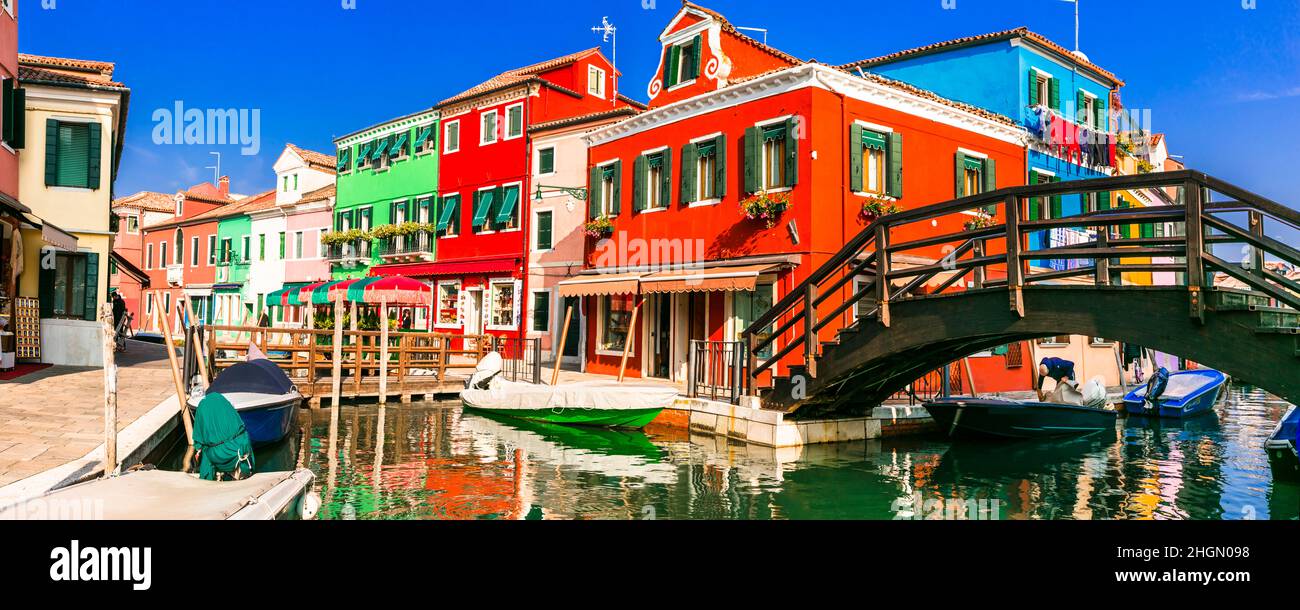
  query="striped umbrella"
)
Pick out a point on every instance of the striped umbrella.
point(303, 295)
point(398, 290)
point(357, 289)
point(321, 295)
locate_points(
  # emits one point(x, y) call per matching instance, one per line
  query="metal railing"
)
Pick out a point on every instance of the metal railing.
point(716, 370)
point(522, 358)
point(417, 243)
point(996, 254)
point(354, 251)
point(931, 385)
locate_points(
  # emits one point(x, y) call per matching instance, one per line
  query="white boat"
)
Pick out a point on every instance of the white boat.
point(590, 403)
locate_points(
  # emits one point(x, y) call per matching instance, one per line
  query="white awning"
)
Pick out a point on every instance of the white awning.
point(58, 238)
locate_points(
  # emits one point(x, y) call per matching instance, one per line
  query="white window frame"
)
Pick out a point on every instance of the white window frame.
point(550, 312)
point(699, 200)
point(460, 200)
point(437, 314)
point(483, 132)
point(653, 193)
point(763, 161)
point(538, 161)
point(299, 245)
point(490, 299)
point(197, 254)
point(681, 59)
point(606, 187)
point(447, 140)
point(148, 257)
point(600, 88)
point(212, 250)
point(1044, 83)
point(506, 129)
point(130, 217)
point(1090, 115)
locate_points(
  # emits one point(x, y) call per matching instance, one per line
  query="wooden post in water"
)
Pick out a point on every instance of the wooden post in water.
point(627, 344)
point(199, 352)
point(383, 353)
point(176, 375)
point(336, 381)
point(110, 389)
point(564, 339)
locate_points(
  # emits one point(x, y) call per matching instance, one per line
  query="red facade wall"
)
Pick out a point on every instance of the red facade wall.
point(9, 69)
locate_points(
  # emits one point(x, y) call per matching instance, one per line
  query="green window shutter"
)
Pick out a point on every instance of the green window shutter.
point(46, 290)
point(1148, 229)
point(1033, 87)
point(1103, 200)
point(93, 166)
point(639, 171)
point(1101, 121)
point(990, 177)
point(51, 152)
point(1080, 100)
point(593, 193)
point(92, 286)
point(444, 215)
point(960, 170)
point(856, 179)
point(666, 179)
point(1054, 90)
point(791, 153)
point(668, 62)
point(894, 174)
point(546, 161)
point(1034, 204)
point(616, 205)
point(674, 57)
point(697, 46)
point(20, 119)
point(1058, 210)
point(544, 222)
point(753, 157)
point(509, 200)
point(720, 170)
point(7, 103)
point(690, 173)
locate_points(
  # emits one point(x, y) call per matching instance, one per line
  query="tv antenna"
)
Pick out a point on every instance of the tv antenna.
point(763, 30)
point(216, 169)
point(1076, 23)
point(609, 34)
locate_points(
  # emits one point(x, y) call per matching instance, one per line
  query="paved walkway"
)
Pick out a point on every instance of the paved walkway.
point(55, 416)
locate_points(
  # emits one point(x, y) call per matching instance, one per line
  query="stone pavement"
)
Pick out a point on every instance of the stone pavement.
point(56, 416)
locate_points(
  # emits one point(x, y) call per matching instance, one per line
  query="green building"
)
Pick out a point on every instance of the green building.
point(234, 255)
point(387, 184)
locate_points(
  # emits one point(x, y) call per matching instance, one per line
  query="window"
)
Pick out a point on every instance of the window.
point(69, 289)
point(227, 245)
point(546, 161)
point(1044, 208)
point(605, 194)
point(148, 256)
point(448, 304)
point(247, 251)
point(261, 247)
point(132, 224)
point(148, 303)
point(541, 311)
point(704, 171)
point(212, 250)
point(1057, 341)
point(162, 255)
point(451, 137)
point(295, 182)
point(487, 128)
point(682, 62)
point(73, 154)
point(975, 174)
point(1087, 109)
point(615, 321)
point(750, 306)
point(297, 244)
point(652, 179)
point(449, 217)
point(179, 250)
point(425, 142)
point(496, 209)
point(112, 266)
point(876, 157)
point(542, 226)
point(344, 163)
point(771, 156)
point(1044, 90)
point(595, 81)
point(285, 188)
point(283, 245)
point(514, 121)
point(13, 101)
point(502, 304)
point(194, 251)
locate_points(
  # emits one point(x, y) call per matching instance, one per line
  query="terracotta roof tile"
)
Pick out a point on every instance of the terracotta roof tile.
point(315, 159)
point(64, 71)
point(1020, 32)
point(149, 201)
point(625, 111)
point(731, 29)
point(519, 76)
point(930, 95)
point(320, 194)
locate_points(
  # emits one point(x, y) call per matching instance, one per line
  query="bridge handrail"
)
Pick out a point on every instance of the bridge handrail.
point(869, 253)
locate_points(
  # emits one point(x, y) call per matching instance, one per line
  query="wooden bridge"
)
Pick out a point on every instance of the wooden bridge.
point(986, 292)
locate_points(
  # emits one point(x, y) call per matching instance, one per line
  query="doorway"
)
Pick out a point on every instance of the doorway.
point(660, 323)
point(474, 317)
point(572, 354)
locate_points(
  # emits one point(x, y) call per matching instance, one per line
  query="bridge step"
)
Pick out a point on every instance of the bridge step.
point(1230, 300)
point(1274, 317)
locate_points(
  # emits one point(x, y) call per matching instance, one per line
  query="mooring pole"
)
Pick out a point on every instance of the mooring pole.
point(564, 339)
point(383, 351)
point(336, 379)
point(176, 375)
point(627, 343)
point(110, 389)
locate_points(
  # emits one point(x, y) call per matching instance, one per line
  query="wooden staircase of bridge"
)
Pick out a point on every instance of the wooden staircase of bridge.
point(853, 362)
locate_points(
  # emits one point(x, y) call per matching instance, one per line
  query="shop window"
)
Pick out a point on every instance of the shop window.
point(502, 295)
point(615, 321)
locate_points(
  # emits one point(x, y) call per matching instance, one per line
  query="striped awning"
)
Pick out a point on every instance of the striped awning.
point(603, 284)
point(708, 279)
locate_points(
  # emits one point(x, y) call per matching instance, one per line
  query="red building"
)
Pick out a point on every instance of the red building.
point(485, 191)
point(733, 120)
point(179, 255)
point(133, 214)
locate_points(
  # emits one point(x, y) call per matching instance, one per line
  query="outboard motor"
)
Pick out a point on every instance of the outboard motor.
point(1156, 387)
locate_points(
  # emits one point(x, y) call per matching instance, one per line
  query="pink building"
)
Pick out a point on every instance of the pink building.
point(306, 220)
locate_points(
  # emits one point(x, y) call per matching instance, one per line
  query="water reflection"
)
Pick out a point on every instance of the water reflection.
point(437, 462)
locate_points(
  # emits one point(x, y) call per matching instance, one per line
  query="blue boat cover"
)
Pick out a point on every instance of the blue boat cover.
point(257, 376)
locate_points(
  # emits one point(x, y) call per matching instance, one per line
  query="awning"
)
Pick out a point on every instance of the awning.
point(198, 292)
point(303, 297)
point(357, 289)
point(604, 284)
point(706, 279)
point(320, 295)
point(380, 148)
point(487, 266)
point(129, 268)
point(481, 209)
point(58, 238)
point(444, 217)
point(508, 202)
point(285, 296)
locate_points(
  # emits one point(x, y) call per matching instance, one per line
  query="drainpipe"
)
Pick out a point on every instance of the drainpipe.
point(525, 216)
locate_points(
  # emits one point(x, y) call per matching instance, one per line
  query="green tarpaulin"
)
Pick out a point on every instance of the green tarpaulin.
point(221, 440)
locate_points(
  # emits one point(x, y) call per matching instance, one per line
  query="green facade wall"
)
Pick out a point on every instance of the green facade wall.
point(236, 270)
point(408, 179)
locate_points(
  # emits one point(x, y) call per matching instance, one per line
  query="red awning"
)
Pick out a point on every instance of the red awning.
point(484, 266)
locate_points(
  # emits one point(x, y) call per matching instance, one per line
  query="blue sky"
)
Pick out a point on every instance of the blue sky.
point(1222, 80)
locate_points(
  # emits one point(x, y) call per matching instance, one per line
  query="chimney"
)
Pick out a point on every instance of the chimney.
point(223, 186)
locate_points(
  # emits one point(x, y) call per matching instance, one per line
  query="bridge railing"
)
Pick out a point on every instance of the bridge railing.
point(994, 250)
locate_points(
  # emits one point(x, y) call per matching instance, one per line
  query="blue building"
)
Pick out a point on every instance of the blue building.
point(1031, 79)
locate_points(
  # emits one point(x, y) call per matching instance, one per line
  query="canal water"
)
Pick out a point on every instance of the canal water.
point(435, 461)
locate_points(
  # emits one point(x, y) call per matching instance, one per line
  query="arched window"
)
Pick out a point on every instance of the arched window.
point(179, 248)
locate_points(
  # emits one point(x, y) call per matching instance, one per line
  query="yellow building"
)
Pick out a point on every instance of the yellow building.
point(75, 124)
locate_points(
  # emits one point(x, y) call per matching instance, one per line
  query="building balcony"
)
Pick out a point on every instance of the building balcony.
point(176, 275)
point(407, 248)
point(349, 254)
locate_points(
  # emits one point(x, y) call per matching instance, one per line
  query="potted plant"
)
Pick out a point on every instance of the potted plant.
point(334, 238)
point(876, 206)
point(765, 206)
point(598, 227)
point(983, 220)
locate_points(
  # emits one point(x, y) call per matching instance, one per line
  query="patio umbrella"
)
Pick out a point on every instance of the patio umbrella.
point(357, 289)
point(303, 295)
point(398, 290)
point(320, 295)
